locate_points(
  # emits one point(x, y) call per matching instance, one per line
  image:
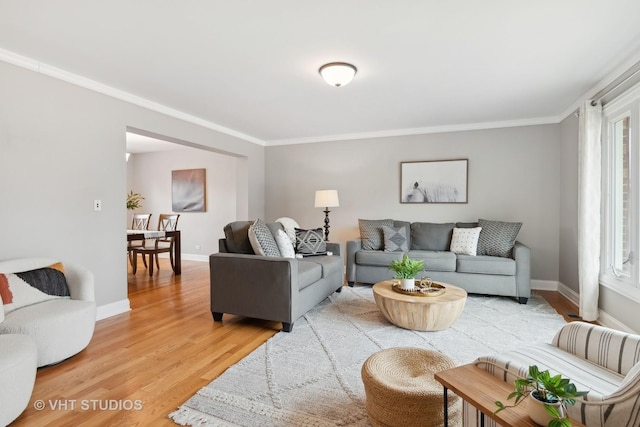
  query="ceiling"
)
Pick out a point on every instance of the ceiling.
point(250, 68)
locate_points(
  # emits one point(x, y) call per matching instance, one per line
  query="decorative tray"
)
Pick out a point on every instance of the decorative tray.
point(434, 290)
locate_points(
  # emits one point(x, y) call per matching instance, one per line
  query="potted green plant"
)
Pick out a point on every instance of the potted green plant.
point(406, 270)
point(550, 396)
point(134, 200)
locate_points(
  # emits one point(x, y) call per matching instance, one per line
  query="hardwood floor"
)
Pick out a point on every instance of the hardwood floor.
point(142, 365)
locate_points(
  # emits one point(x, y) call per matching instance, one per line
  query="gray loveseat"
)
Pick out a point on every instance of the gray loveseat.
point(270, 287)
point(506, 275)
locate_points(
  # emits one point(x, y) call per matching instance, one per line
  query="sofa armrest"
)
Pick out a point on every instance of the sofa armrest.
point(522, 255)
point(80, 281)
point(353, 246)
point(612, 349)
point(254, 286)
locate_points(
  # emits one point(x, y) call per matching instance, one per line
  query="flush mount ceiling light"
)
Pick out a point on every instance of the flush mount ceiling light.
point(337, 73)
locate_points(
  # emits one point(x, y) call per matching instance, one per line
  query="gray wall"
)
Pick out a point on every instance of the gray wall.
point(150, 175)
point(63, 146)
point(513, 176)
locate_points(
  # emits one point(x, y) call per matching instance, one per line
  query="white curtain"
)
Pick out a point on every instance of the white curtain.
point(589, 189)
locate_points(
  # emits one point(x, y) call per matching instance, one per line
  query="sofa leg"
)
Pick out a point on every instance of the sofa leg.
point(287, 327)
point(339, 289)
point(216, 316)
point(351, 284)
point(523, 300)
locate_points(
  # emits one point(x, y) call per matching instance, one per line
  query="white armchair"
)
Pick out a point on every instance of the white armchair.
point(60, 328)
point(604, 361)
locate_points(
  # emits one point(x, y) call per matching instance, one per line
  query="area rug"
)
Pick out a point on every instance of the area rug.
point(311, 376)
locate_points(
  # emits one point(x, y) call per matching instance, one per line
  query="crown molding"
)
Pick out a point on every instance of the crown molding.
point(418, 131)
point(75, 79)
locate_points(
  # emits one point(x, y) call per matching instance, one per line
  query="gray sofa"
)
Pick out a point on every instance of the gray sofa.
point(481, 274)
point(270, 288)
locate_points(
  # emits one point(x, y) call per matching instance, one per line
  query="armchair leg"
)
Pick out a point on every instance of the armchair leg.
point(351, 284)
point(523, 300)
point(287, 327)
point(217, 317)
point(339, 289)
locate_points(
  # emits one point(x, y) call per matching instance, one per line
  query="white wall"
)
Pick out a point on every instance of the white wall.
point(150, 175)
point(61, 147)
point(513, 176)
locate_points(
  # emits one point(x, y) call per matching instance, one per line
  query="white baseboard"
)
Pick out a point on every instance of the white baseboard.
point(113, 309)
point(569, 293)
point(544, 285)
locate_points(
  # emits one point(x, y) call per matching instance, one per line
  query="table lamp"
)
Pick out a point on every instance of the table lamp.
point(327, 199)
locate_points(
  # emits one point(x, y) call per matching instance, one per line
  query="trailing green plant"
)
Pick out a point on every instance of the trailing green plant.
point(547, 389)
point(134, 200)
point(407, 268)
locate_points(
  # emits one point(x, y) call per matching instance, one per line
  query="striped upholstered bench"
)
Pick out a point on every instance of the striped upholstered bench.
point(603, 361)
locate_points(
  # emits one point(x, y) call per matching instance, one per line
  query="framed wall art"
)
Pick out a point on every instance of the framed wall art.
point(434, 181)
point(188, 190)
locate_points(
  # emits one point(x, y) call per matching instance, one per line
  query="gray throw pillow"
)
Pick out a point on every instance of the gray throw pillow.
point(371, 233)
point(237, 237)
point(427, 236)
point(310, 242)
point(395, 239)
point(262, 240)
point(497, 237)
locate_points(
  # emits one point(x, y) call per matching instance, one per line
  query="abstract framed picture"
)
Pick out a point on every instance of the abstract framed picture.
point(188, 190)
point(434, 181)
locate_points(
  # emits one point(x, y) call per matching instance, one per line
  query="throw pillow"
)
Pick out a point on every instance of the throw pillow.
point(395, 239)
point(31, 287)
point(284, 244)
point(289, 226)
point(371, 233)
point(310, 242)
point(428, 236)
point(464, 241)
point(497, 237)
point(262, 240)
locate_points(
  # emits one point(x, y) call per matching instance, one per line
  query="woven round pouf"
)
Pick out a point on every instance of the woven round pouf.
point(401, 390)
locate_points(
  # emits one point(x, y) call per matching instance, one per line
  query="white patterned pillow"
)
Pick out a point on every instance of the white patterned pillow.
point(284, 244)
point(262, 240)
point(464, 241)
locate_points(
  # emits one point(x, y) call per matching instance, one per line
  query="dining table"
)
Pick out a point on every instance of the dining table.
point(153, 234)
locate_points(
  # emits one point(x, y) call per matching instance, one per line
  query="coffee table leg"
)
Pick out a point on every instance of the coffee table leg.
point(446, 407)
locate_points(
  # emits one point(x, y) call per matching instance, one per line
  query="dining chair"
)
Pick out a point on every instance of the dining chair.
point(140, 221)
point(166, 222)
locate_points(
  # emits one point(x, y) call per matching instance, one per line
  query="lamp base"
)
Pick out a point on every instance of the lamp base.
point(326, 224)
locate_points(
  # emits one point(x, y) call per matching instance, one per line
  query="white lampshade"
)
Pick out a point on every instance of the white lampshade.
point(338, 73)
point(327, 199)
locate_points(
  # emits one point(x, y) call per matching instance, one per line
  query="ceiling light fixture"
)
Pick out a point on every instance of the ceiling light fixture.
point(338, 73)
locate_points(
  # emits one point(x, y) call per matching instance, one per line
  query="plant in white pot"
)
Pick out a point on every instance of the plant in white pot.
point(550, 396)
point(406, 270)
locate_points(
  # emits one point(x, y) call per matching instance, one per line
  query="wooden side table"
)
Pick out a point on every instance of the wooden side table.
point(481, 389)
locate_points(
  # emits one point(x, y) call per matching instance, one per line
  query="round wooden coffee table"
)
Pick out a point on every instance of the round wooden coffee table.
point(420, 313)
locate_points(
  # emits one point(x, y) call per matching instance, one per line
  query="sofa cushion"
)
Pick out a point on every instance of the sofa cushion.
point(497, 237)
point(262, 240)
point(308, 272)
point(310, 242)
point(435, 260)
point(31, 287)
point(427, 236)
point(377, 258)
point(464, 241)
point(395, 239)
point(237, 237)
point(371, 233)
point(330, 264)
point(483, 264)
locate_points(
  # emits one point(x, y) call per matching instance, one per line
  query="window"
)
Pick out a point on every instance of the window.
point(620, 268)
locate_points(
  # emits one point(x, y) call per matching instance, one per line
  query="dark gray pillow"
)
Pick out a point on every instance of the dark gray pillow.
point(310, 242)
point(497, 237)
point(466, 224)
point(371, 233)
point(427, 236)
point(395, 239)
point(237, 237)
